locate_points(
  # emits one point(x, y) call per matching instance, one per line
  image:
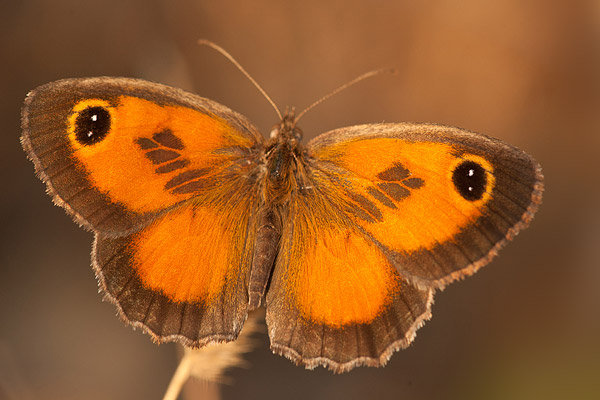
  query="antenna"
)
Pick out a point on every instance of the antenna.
point(204, 42)
point(362, 77)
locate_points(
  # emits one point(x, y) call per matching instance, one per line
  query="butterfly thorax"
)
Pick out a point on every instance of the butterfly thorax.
point(282, 155)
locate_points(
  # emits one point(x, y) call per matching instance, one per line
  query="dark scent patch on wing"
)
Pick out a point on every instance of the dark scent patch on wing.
point(413, 183)
point(172, 166)
point(161, 149)
point(191, 187)
point(397, 182)
point(168, 139)
point(146, 143)
point(185, 177)
point(367, 205)
point(360, 213)
point(161, 156)
point(382, 198)
point(395, 173)
point(394, 190)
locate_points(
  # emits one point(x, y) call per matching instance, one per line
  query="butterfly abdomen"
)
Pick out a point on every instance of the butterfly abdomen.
point(268, 236)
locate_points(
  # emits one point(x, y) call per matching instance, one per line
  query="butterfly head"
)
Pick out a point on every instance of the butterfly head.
point(286, 130)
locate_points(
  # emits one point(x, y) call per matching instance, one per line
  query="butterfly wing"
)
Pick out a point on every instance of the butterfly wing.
point(115, 152)
point(334, 298)
point(165, 179)
point(440, 201)
point(384, 215)
point(185, 276)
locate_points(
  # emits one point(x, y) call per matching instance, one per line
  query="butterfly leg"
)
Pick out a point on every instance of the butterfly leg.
point(267, 244)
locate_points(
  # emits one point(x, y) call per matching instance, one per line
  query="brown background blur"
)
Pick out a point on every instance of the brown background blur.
point(527, 326)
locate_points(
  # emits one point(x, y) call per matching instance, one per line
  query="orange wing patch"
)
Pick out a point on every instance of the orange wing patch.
point(187, 254)
point(340, 279)
point(185, 276)
point(328, 270)
point(162, 150)
point(401, 192)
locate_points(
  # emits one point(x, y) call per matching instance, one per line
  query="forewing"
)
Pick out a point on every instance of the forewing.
point(116, 152)
point(439, 201)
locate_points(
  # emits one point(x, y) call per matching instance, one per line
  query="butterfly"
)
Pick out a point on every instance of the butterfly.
point(198, 219)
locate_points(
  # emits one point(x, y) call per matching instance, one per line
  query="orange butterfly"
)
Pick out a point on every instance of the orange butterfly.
point(197, 218)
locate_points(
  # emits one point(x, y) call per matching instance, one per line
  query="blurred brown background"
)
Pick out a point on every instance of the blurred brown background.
point(525, 327)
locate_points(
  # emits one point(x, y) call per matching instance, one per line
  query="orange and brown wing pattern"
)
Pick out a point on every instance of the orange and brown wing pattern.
point(116, 152)
point(439, 201)
point(185, 276)
point(381, 217)
point(334, 298)
point(167, 181)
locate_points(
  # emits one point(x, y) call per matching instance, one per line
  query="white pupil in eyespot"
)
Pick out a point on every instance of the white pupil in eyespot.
point(471, 171)
point(94, 117)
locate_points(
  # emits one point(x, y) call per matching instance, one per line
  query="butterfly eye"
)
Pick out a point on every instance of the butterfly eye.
point(470, 180)
point(274, 132)
point(92, 125)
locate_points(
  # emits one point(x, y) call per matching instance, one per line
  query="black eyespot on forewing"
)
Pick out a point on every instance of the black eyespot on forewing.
point(92, 125)
point(470, 180)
